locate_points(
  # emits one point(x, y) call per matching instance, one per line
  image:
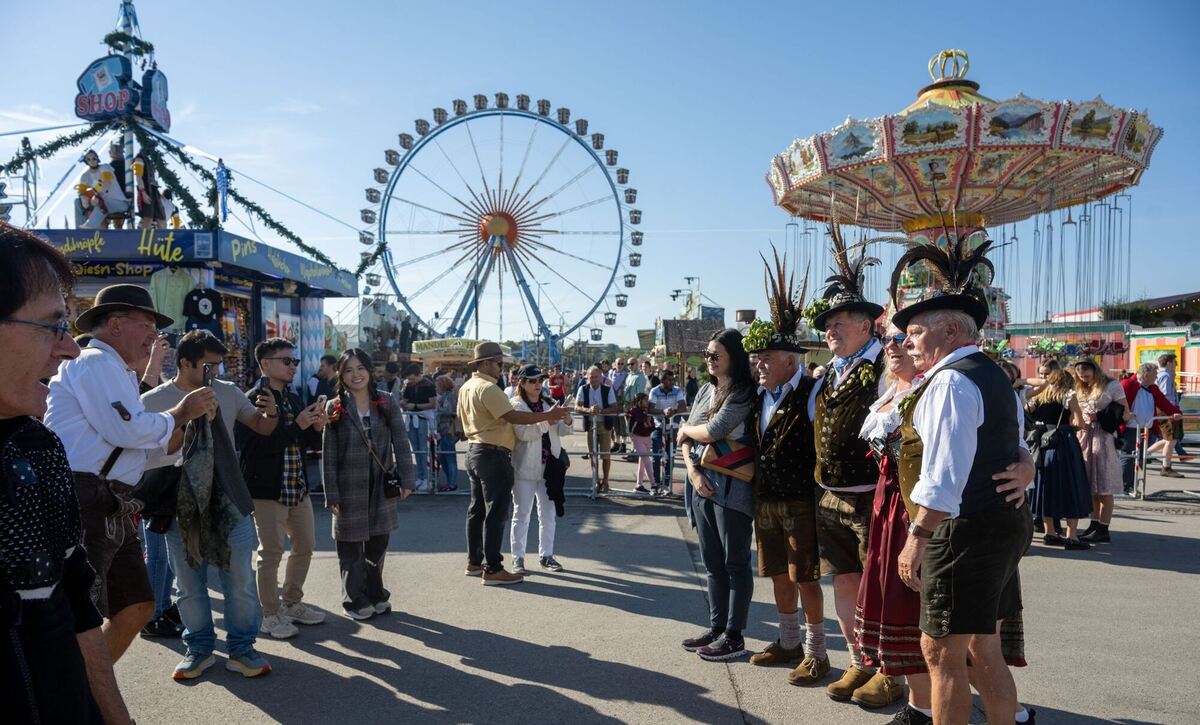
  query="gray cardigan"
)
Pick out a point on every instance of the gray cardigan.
point(363, 510)
point(728, 422)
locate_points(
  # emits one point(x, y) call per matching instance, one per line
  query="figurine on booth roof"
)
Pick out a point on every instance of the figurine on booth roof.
point(149, 202)
point(101, 200)
point(170, 211)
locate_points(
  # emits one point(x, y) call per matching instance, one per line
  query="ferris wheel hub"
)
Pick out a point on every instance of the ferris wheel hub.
point(498, 224)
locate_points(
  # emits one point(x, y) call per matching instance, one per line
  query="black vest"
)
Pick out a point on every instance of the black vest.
point(997, 440)
point(843, 458)
point(786, 455)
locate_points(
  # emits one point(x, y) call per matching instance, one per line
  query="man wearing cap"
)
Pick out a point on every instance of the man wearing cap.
point(785, 505)
point(108, 435)
point(845, 471)
point(487, 418)
point(966, 539)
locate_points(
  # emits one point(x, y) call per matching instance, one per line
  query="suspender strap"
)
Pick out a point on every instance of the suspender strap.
point(110, 462)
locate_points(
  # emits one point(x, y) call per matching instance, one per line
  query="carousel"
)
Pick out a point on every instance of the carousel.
point(958, 162)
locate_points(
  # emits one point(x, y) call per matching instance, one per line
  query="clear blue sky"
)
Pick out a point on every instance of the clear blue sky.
point(696, 96)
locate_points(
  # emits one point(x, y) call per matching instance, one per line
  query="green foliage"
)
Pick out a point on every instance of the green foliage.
point(126, 43)
point(816, 307)
point(364, 265)
point(53, 146)
point(197, 219)
point(758, 335)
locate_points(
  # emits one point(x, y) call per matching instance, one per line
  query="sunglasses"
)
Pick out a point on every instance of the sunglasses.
point(712, 356)
point(897, 339)
point(293, 361)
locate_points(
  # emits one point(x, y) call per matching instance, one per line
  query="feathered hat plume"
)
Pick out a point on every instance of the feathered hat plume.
point(955, 269)
point(844, 288)
point(786, 305)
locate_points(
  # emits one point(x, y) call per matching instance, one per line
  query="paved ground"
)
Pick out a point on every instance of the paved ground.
point(1109, 633)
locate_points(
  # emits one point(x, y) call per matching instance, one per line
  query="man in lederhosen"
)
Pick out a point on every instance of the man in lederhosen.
point(845, 471)
point(958, 430)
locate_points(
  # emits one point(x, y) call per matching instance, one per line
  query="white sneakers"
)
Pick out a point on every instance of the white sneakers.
point(282, 625)
point(302, 613)
point(278, 626)
point(361, 614)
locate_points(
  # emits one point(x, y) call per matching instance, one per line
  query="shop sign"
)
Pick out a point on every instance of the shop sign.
point(273, 262)
point(107, 91)
point(114, 269)
point(161, 246)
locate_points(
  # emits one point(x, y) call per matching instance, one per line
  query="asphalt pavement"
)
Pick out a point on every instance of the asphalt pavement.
point(1108, 631)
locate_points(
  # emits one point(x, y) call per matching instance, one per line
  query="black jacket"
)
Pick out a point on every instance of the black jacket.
point(262, 456)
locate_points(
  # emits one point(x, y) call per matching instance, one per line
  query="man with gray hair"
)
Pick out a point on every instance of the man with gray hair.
point(1145, 399)
point(95, 409)
point(966, 538)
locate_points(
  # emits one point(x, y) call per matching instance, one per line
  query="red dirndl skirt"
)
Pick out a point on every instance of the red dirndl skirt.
point(888, 612)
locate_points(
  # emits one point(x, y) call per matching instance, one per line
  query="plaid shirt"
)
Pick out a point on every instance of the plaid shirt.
point(293, 487)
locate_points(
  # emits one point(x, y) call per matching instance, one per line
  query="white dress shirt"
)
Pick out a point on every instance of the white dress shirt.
point(94, 407)
point(947, 418)
point(769, 406)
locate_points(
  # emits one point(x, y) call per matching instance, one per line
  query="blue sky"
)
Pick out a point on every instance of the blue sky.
point(696, 96)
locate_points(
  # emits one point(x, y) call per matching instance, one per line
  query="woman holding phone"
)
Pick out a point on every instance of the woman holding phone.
point(367, 464)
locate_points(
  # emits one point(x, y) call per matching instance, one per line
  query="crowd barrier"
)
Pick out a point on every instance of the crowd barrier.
point(1142, 437)
point(431, 453)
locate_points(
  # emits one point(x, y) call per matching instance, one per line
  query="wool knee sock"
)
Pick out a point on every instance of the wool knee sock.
point(789, 629)
point(814, 639)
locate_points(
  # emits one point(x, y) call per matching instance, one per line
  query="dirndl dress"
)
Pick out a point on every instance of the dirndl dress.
point(887, 613)
point(1062, 490)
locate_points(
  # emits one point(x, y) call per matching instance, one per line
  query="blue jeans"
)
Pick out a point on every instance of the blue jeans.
point(448, 458)
point(417, 437)
point(663, 459)
point(162, 577)
point(243, 612)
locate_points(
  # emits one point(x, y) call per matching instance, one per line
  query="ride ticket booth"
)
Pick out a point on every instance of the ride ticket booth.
point(241, 290)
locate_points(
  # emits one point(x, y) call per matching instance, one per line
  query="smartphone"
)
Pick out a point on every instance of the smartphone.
point(208, 375)
point(321, 403)
point(172, 339)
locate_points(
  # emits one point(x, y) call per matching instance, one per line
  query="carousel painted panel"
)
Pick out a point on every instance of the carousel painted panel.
point(1092, 126)
point(1139, 138)
point(803, 161)
point(932, 128)
point(1019, 121)
point(853, 143)
point(777, 179)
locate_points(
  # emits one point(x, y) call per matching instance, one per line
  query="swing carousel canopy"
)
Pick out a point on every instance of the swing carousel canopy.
point(980, 161)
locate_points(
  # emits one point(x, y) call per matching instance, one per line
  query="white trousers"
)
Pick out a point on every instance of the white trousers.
point(524, 494)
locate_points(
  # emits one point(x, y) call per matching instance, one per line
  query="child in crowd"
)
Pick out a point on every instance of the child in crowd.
point(641, 425)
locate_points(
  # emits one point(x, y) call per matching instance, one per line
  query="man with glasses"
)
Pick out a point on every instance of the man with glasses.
point(273, 466)
point(95, 408)
point(54, 662)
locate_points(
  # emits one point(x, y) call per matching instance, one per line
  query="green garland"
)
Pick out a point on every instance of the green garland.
point(758, 334)
point(53, 146)
point(247, 204)
point(366, 263)
point(126, 43)
point(815, 308)
point(196, 216)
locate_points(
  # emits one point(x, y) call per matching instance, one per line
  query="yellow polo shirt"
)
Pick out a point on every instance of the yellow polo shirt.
point(481, 403)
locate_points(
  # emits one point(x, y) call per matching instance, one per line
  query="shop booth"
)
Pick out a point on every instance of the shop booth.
point(241, 290)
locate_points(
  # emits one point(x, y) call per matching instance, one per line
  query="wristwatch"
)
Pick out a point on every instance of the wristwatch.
point(918, 531)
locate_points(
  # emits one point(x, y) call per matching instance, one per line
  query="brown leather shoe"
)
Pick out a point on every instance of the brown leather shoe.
point(880, 691)
point(777, 654)
point(852, 679)
point(474, 569)
point(501, 577)
point(810, 672)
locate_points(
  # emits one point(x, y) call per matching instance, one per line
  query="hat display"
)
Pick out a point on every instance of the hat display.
point(845, 290)
point(487, 350)
point(783, 332)
point(530, 372)
point(120, 298)
point(958, 277)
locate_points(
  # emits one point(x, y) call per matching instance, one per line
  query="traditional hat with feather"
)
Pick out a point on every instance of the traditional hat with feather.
point(783, 331)
point(845, 290)
point(957, 284)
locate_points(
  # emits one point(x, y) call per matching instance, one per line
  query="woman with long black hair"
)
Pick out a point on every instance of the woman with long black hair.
point(365, 448)
point(719, 506)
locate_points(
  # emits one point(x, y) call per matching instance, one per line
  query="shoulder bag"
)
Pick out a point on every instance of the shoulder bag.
point(729, 457)
point(392, 485)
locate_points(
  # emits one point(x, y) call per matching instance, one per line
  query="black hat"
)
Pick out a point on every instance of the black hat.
point(845, 290)
point(530, 372)
point(783, 331)
point(119, 298)
point(959, 273)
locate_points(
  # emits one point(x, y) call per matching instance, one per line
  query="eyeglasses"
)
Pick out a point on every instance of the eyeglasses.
point(60, 329)
point(293, 361)
point(897, 339)
point(712, 356)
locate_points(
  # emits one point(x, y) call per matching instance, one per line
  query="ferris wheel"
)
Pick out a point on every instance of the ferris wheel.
point(506, 223)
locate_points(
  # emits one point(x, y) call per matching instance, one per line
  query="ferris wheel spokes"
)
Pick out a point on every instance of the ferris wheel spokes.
point(479, 205)
point(431, 209)
point(543, 245)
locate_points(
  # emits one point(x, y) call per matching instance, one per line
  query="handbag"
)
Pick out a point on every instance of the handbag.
point(730, 458)
point(1110, 417)
point(392, 486)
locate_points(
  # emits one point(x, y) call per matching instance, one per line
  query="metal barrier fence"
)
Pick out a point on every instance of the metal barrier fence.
point(1143, 443)
point(666, 457)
